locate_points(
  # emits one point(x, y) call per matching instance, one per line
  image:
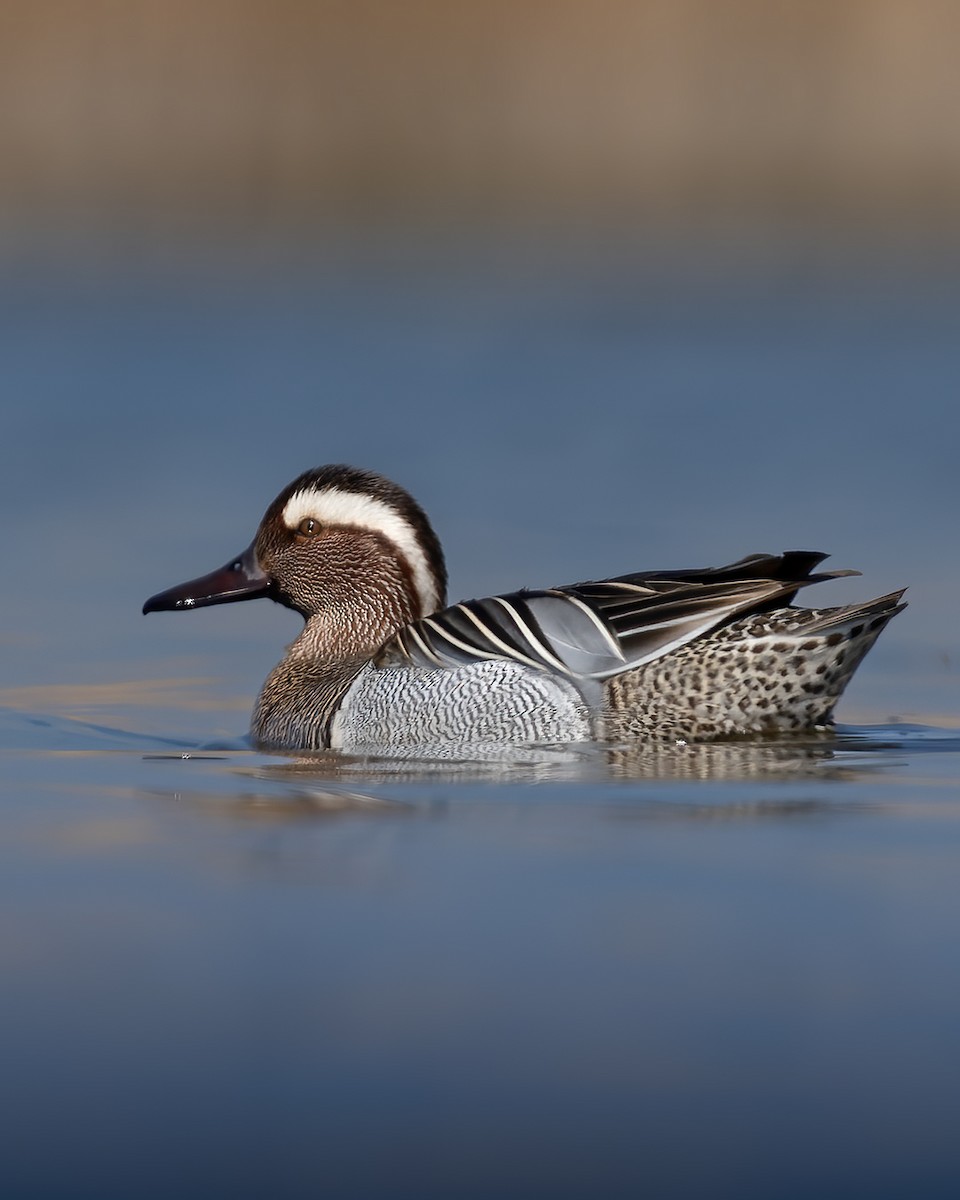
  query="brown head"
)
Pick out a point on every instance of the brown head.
point(351, 552)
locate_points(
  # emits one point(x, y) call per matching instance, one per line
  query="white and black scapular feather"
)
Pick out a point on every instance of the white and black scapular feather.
point(382, 664)
point(596, 630)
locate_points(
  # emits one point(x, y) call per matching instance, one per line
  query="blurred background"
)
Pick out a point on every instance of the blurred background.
point(607, 286)
point(242, 122)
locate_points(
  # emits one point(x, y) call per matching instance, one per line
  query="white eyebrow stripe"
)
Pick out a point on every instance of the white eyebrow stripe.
point(333, 506)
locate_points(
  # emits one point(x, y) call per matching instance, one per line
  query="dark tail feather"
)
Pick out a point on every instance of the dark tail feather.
point(794, 566)
point(873, 616)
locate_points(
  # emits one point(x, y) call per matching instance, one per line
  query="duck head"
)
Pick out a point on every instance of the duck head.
point(345, 548)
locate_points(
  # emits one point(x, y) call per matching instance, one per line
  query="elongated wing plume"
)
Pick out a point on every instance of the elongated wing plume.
point(596, 630)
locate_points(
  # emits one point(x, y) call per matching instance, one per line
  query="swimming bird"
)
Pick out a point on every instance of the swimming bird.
point(382, 664)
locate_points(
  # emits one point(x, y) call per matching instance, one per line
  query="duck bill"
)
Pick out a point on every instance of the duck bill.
point(241, 579)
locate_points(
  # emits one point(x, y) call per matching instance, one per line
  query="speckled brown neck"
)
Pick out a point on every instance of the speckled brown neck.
point(302, 693)
point(298, 702)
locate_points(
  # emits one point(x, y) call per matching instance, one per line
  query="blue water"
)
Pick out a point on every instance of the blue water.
point(708, 970)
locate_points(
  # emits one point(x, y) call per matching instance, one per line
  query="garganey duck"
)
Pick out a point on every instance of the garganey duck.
point(382, 664)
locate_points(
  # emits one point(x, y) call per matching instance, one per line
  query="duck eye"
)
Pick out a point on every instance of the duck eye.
point(308, 527)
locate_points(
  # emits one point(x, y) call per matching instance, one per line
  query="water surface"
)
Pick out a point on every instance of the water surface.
point(722, 970)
